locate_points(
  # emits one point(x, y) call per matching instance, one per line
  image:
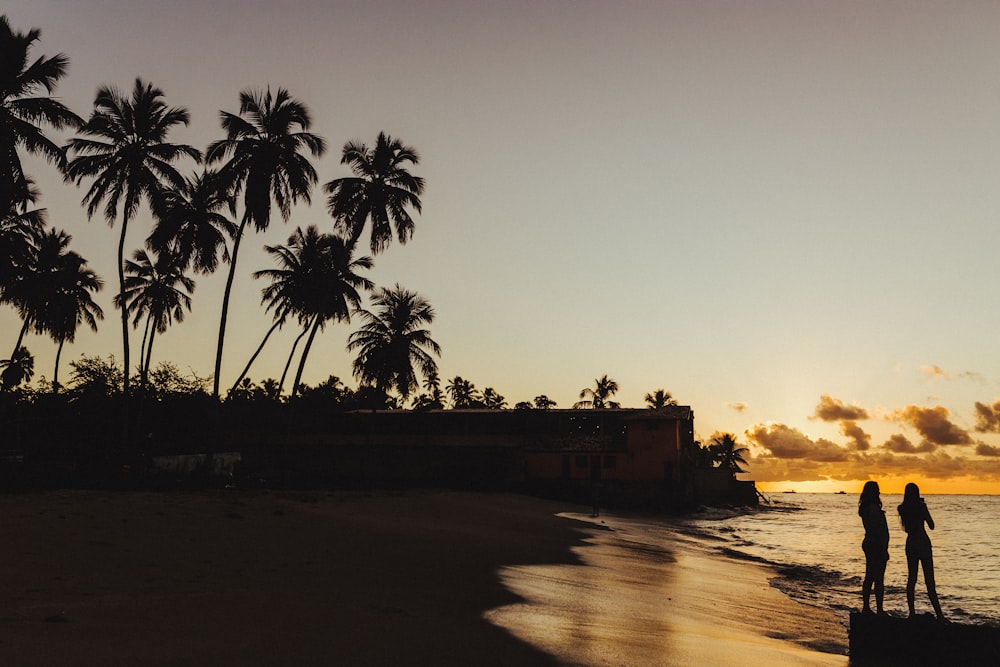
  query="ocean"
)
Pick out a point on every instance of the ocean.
point(814, 542)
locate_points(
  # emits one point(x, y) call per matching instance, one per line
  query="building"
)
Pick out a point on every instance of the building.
point(617, 456)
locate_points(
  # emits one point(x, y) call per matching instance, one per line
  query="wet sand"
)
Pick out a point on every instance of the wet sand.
point(416, 578)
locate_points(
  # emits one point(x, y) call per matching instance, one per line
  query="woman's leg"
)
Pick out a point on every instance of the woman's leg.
point(880, 585)
point(911, 579)
point(866, 586)
point(928, 565)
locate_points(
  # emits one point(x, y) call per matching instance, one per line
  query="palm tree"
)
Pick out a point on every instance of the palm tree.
point(316, 281)
point(191, 224)
point(124, 149)
point(380, 191)
point(493, 400)
point(463, 393)
point(599, 397)
point(659, 399)
point(265, 144)
point(71, 306)
point(393, 340)
point(434, 398)
point(23, 111)
point(19, 368)
point(728, 453)
point(38, 285)
point(157, 291)
point(20, 230)
point(543, 402)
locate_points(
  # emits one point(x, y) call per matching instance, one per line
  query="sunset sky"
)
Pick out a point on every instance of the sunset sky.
point(787, 214)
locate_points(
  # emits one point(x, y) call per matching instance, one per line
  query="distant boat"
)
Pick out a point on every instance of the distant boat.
point(841, 493)
point(792, 491)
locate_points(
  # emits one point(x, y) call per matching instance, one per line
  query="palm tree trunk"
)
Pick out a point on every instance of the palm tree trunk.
point(121, 293)
point(246, 370)
point(20, 336)
point(125, 416)
point(55, 373)
point(225, 306)
point(142, 351)
point(284, 373)
point(305, 353)
point(149, 354)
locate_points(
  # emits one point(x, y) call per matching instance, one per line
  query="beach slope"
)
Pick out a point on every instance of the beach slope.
point(415, 578)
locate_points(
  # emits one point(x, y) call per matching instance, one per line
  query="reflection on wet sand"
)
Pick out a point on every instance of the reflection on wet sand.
point(647, 595)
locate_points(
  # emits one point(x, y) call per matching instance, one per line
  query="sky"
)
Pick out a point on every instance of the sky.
point(783, 213)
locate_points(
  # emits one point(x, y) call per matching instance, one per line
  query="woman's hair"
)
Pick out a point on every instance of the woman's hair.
point(869, 494)
point(910, 510)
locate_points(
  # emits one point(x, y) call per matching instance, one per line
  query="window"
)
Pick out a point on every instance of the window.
point(581, 461)
point(610, 462)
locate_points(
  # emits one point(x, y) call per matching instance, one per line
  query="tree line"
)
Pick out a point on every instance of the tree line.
point(260, 167)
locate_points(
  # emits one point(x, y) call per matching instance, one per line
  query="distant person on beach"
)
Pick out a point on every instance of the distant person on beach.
point(875, 545)
point(913, 514)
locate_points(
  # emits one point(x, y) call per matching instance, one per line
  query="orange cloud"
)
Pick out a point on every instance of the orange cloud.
point(900, 444)
point(875, 464)
point(934, 424)
point(987, 450)
point(935, 372)
point(988, 417)
point(860, 441)
point(784, 442)
point(738, 407)
point(833, 409)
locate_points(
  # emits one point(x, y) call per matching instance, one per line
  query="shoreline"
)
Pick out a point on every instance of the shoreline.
point(416, 577)
point(646, 592)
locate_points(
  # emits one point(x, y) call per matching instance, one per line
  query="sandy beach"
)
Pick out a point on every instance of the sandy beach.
point(415, 578)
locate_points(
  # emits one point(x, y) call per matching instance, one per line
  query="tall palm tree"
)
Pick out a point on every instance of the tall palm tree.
point(123, 148)
point(599, 397)
point(156, 293)
point(265, 145)
point(23, 111)
point(38, 285)
point(20, 230)
point(728, 453)
point(72, 306)
point(191, 224)
point(316, 280)
point(52, 278)
point(659, 399)
point(380, 191)
point(392, 343)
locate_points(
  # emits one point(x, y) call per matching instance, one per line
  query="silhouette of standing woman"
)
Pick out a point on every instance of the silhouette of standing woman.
point(875, 545)
point(913, 515)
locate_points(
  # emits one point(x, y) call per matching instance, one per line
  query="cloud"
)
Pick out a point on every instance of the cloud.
point(738, 407)
point(833, 409)
point(934, 424)
point(900, 444)
point(874, 464)
point(860, 441)
point(988, 417)
point(784, 442)
point(935, 372)
point(987, 450)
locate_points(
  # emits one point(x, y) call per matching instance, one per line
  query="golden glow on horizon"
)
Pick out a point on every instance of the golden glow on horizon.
point(887, 485)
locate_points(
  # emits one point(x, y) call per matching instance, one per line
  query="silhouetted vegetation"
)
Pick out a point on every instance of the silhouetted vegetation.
point(195, 224)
